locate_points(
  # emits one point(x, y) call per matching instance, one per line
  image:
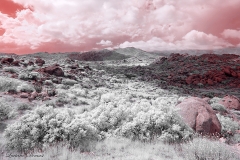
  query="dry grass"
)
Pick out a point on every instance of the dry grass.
point(124, 149)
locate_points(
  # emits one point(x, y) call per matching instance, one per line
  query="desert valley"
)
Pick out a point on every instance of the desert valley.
point(120, 104)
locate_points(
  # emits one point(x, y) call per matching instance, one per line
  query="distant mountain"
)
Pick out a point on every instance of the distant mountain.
point(101, 55)
point(138, 53)
point(229, 50)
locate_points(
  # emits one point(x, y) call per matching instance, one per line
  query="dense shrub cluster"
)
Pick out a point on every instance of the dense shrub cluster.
point(46, 125)
point(140, 120)
point(229, 126)
point(29, 76)
point(14, 85)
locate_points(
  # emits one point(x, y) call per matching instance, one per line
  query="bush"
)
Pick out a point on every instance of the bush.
point(229, 126)
point(218, 107)
point(69, 82)
point(23, 106)
point(11, 69)
point(214, 100)
point(29, 76)
point(46, 125)
point(4, 111)
point(25, 88)
point(48, 82)
point(204, 149)
point(143, 120)
point(38, 87)
point(7, 84)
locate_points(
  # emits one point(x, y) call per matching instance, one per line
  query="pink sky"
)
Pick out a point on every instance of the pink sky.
point(28, 26)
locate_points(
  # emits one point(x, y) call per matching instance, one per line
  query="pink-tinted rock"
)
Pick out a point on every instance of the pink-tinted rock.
point(34, 95)
point(54, 70)
point(199, 115)
point(231, 102)
point(39, 62)
point(24, 95)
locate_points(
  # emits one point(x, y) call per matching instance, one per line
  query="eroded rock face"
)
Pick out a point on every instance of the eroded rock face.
point(231, 102)
point(199, 115)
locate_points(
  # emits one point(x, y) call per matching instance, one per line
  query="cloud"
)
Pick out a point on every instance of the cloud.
point(105, 43)
point(230, 33)
point(192, 40)
point(89, 24)
point(200, 40)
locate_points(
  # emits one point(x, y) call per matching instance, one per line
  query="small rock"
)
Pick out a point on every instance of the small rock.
point(231, 102)
point(39, 62)
point(16, 63)
point(24, 95)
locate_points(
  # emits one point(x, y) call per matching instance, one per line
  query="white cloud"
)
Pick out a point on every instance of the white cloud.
point(87, 23)
point(231, 33)
point(192, 40)
point(105, 43)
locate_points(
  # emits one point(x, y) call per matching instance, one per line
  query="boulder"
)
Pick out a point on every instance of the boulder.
point(7, 60)
point(39, 62)
point(231, 102)
point(54, 70)
point(16, 63)
point(199, 115)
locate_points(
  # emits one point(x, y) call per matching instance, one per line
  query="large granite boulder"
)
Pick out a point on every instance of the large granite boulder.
point(199, 115)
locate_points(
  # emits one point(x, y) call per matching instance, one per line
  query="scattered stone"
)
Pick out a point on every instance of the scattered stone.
point(24, 95)
point(7, 60)
point(34, 95)
point(231, 102)
point(39, 62)
point(30, 63)
point(16, 63)
point(54, 70)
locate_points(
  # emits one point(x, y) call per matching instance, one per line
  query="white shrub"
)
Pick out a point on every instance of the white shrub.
point(214, 100)
point(218, 107)
point(8, 83)
point(46, 125)
point(24, 87)
point(204, 149)
point(228, 125)
point(108, 97)
point(4, 111)
point(69, 82)
point(11, 69)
